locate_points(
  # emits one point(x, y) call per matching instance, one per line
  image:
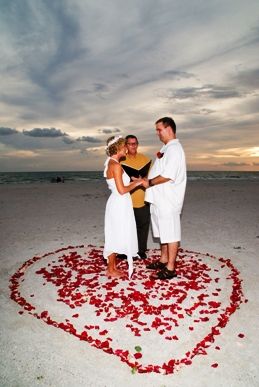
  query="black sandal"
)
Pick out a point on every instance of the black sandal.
point(156, 265)
point(165, 274)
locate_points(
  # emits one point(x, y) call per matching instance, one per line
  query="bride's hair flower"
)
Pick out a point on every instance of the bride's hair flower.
point(112, 140)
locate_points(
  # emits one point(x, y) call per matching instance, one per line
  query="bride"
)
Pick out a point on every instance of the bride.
point(119, 224)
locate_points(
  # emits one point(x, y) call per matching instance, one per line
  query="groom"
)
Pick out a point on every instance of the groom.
point(165, 191)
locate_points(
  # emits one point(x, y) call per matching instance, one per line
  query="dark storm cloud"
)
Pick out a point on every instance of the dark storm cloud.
point(90, 139)
point(44, 132)
point(7, 131)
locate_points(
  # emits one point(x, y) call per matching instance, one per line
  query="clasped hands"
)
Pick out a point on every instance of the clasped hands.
point(142, 181)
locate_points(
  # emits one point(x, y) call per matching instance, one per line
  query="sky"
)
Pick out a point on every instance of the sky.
point(74, 72)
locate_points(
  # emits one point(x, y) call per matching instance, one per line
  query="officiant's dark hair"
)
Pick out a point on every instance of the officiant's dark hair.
point(131, 136)
point(167, 121)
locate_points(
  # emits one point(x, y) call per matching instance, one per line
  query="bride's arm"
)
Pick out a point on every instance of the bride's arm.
point(122, 189)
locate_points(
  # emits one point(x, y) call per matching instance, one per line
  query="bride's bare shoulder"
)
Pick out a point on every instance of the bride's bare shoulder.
point(115, 168)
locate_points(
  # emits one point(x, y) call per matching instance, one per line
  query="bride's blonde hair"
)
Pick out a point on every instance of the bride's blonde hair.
point(114, 144)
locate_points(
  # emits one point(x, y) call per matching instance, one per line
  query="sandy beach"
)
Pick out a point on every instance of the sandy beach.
point(219, 217)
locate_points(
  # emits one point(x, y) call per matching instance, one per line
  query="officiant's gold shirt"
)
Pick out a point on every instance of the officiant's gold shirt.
point(138, 194)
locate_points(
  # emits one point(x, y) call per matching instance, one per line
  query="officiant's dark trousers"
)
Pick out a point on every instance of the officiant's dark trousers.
point(142, 217)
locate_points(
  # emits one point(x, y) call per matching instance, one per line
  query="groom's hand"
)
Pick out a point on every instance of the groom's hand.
point(145, 182)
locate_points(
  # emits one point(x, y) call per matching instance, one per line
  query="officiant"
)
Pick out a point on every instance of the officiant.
point(138, 161)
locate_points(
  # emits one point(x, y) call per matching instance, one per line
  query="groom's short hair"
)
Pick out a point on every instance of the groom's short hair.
point(167, 121)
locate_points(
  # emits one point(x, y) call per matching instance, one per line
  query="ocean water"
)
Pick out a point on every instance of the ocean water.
point(70, 177)
point(48, 177)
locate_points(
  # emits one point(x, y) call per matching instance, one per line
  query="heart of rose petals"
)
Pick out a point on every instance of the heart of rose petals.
point(152, 311)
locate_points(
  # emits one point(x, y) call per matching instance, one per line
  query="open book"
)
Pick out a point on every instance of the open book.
point(133, 172)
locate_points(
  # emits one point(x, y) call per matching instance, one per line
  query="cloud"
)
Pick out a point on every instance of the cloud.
point(235, 164)
point(96, 89)
point(44, 132)
point(206, 91)
point(17, 154)
point(207, 111)
point(45, 52)
point(84, 152)
point(99, 87)
point(89, 139)
point(7, 131)
point(248, 78)
point(68, 140)
point(109, 131)
point(176, 74)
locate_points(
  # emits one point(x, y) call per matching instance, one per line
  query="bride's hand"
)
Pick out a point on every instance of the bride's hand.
point(137, 180)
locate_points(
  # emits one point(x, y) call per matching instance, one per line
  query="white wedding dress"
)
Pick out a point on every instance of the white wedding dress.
point(119, 223)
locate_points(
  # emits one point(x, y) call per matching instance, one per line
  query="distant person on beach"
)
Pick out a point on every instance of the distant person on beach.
point(119, 225)
point(58, 179)
point(141, 209)
point(165, 191)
